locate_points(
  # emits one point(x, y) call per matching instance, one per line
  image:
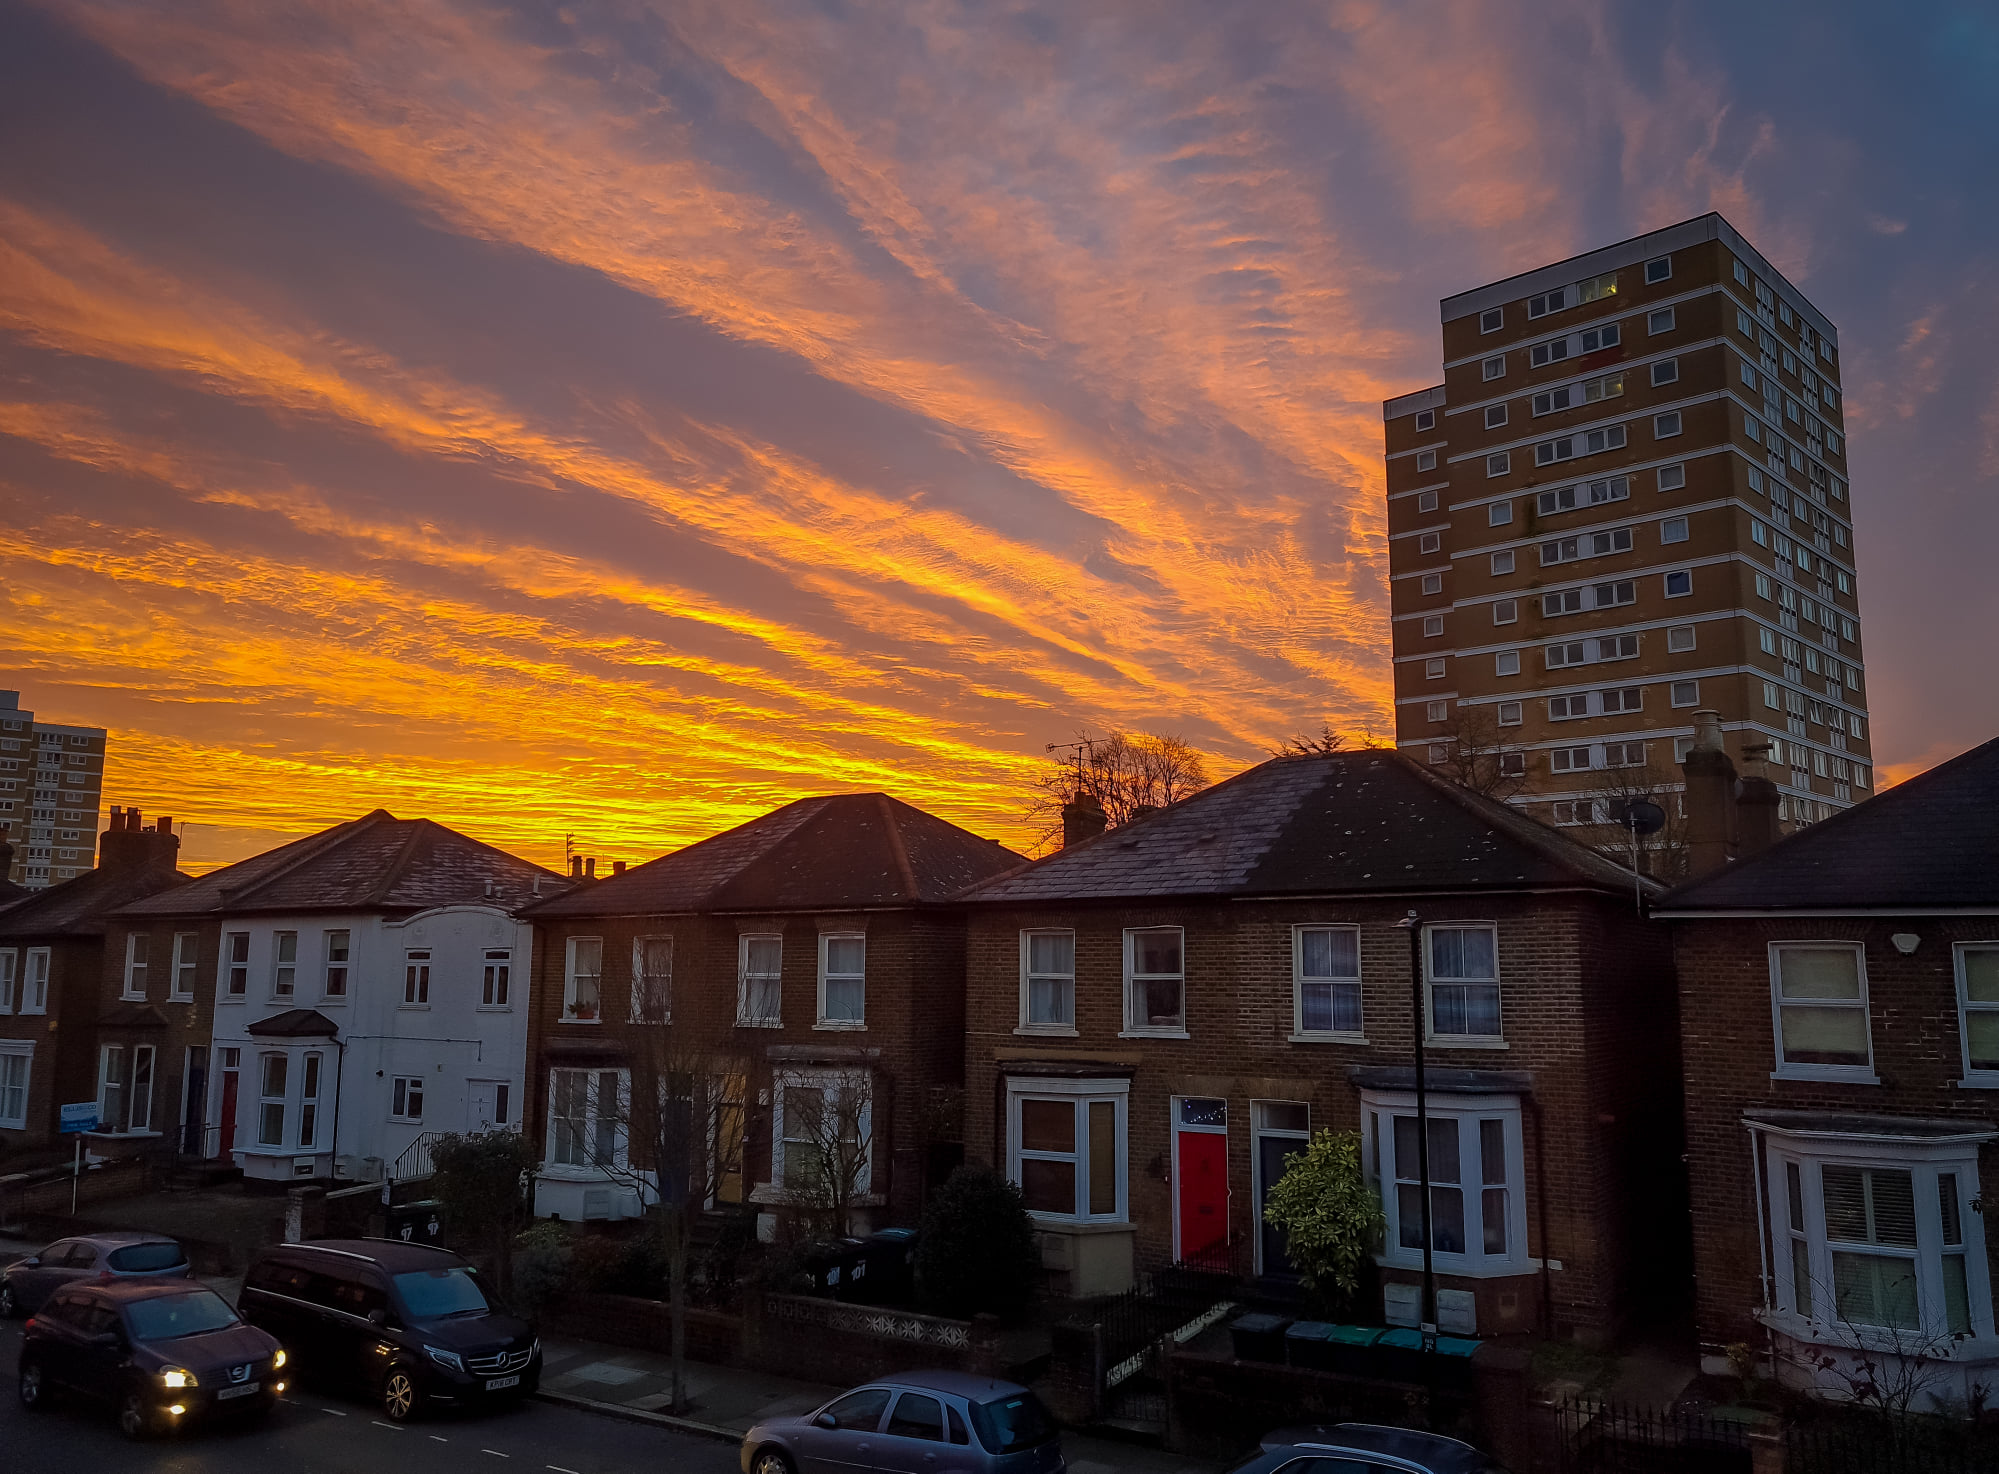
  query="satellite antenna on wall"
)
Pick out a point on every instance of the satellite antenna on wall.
point(1638, 817)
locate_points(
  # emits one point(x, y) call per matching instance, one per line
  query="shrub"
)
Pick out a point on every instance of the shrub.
point(543, 1266)
point(1330, 1217)
point(976, 1249)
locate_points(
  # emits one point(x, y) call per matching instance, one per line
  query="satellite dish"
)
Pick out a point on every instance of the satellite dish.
point(1641, 816)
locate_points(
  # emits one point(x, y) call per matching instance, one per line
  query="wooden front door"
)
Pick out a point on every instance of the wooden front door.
point(1200, 1176)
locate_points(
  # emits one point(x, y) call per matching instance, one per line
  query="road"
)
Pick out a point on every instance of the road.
point(312, 1433)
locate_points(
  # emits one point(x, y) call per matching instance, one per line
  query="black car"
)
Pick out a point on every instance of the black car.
point(404, 1323)
point(26, 1283)
point(164, 1354)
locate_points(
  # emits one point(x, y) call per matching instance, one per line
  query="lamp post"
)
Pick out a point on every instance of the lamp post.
point(1428, 1313)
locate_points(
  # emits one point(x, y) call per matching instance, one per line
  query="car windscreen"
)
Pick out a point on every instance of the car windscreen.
point(171, 1316)
point(1009, 1424)
point(430, 1293)
point(143, 1258)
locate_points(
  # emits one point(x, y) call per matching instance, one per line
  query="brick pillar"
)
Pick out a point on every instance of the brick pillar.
point(1500, 1384)
point(1711, 835)
point(1766, 1451)
point(1074, 1385)
point(983, 1352)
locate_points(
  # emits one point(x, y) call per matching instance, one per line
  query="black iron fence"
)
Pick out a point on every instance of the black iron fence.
point(1841, 1442)
point(1613, 1438)
point(1141, 1324)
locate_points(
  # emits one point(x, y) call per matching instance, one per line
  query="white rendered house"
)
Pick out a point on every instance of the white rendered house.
point(370, 988)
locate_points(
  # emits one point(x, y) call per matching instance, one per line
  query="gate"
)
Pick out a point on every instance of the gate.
point(1609, 1438)
point(1169, 1305)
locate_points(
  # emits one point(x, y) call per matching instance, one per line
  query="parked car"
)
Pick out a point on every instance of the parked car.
point(163, 1354)
point(917, 1423)
point(407, 1324)
point(1363, 1448)
point(26, 1283)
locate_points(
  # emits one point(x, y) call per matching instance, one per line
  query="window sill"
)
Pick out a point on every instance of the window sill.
point(1305, 1038)
point(1979, 1080)
point(1828, 1074)
point(495, 1008)
point(413, 1008)
point(1463, 1266)
point(1154, 1034)
point(180, 997)
point(131, 997)
point(1463, 1041)
point(563, 1172)
point(406, 1120)
point(842, 1026)
point(1061, 1223)
point(591, 1021)
point(1048, 1031)
point(336, 1000)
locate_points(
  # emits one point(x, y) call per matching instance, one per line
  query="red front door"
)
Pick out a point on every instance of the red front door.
point(1203, 1197)
point(228, 1121)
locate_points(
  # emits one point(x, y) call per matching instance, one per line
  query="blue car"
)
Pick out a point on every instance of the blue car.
point(99, 1257)
point(914, 1423)
point(1363, 1448)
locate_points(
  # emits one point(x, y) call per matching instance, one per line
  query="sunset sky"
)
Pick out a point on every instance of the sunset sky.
point(620, 419)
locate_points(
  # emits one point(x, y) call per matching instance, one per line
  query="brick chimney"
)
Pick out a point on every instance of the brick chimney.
point(1711, 826)
point(127, 843)
point(1083, 818)
point(1756, 802)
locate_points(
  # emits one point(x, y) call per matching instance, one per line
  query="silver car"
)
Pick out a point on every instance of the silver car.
point(26, 1283)
point(914, 1423)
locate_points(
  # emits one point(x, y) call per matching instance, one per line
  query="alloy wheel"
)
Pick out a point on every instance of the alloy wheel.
point(34, 1391)
point(9, 1306)
point(770, 1461)
point(398, 1395)
point(133, 1419)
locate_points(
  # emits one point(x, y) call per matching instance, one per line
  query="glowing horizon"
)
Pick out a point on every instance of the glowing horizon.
point(619, 422)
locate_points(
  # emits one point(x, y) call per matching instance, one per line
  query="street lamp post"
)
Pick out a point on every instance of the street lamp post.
point(1428, 1313)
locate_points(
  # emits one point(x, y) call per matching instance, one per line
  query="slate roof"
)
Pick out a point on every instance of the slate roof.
point(1339, 823)
point(375, 863)
point(838, 852)
point(1929, 844)
point(77, 907)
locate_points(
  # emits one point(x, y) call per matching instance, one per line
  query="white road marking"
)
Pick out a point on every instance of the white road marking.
point(380, 1424)
point(495, 1453)
point(560, 1470)
point(435, 1439)
point(334, 1410)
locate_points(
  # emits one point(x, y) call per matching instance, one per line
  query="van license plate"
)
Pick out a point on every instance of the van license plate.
point(224, 1394)
point(494, 1384)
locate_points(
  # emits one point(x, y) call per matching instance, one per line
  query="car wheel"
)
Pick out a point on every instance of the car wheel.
point(399, 1395)
point(770, 1461)
point(9, 1306)
point(135, 1419)
point(35, 1389)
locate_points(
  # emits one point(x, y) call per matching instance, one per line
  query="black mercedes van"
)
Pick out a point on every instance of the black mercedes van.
point(406, 1324)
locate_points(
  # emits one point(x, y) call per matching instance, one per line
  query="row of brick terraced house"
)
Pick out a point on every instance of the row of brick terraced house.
point(1757, 1093)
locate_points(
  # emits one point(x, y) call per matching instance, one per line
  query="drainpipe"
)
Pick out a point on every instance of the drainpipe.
point(1428, 1315)
point(1541, 1212)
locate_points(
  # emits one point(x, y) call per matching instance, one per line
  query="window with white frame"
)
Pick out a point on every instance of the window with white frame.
point(1155, 980)
point(1426, 460)
point(1493, 367)
point(1506, 663)
point(1048, 981)
point(1463, 964)
point(35, 964)
point(1679, 584)
point(1429, 542)
point(822, 1133)
point(273, 1078)
point(1686, 693)
point(582, 981)
point(843, 987)
point(1665, 371)
point(496, 978)
point(1477, 1172)
point(1818, 999)
point(337, 945)
point(1434, 668)
point(1512, 714)
point(1498, 514)
point(1673, 530)
point(406, 1098)
point(583, 1118)
point(135, 964)
point(1495, 416)
point(308, 1100)
point(652, 980)
point(284, 964)
point(1658, 269)
point(1977, 965)
point(1492, 319)
point(124, 1088)
point(1433, 626)
point(1502, 563)
point(186, 948)
point(235, 964)
point(1325, 986)
point(1679, 637)
point(416, 978)
point(759, 975)
point(1433, 583)
point(1673, 477)
point(1426, 419)
point(1504, 611)
point(1879, 1240)
point(1426, 501)
point(10, 963)
point(17, 1059)
point(1066, 1147)
point(1659, 320)
point(1665, 427)
point(1437, 711)
point(1498, 465)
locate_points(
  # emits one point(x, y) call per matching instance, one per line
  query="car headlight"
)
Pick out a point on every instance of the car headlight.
point(278, 1360)
point(177, 1377)
point(445, 1358)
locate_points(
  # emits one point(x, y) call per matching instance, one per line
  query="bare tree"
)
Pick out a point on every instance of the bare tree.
point(1600, 819)
point(675, 1135)
point(1477, 757)
point(1891, 1370)
point(1129, 773)
point(826, 1143)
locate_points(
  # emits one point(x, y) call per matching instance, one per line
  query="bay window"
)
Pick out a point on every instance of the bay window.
point(1066, 1147)
point(308, 1103)
point(273, 1075)
point(1155, 980)
point(1326, 982)
point(1877, 1234)
point(1463, 963)
point(1478, 1208)
point(125, 1088)
point(1819, 1004)
point(1048, 982)
point(822, 1134)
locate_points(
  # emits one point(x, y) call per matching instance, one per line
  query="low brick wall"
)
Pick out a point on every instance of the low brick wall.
point(803, 1336)
point(36, 1195)
point(645, 1325)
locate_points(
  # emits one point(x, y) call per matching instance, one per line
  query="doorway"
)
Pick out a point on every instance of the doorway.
point(1200, 1177)
point(490, 1104)
point(726, 1158)
point(229, 1059)
point(193, 1100)
point(1283, 1130)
